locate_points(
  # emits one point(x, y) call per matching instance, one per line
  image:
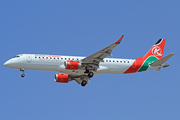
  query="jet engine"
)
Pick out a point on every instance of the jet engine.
point(62, 78)
point(72, 65)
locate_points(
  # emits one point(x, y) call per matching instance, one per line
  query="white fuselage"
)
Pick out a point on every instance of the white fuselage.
point(56, 63)
point(82, 69)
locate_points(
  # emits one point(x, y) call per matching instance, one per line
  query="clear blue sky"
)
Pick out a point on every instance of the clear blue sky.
point(82, 28)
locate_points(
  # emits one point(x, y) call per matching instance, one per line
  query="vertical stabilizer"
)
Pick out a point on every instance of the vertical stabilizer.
point(154, 54)
point(157, 49)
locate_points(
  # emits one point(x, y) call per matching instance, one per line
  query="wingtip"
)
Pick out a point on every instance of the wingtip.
point(118, 42)
point(122, 37)
point(172, 54)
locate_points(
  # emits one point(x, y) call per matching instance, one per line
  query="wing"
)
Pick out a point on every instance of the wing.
point(94, 59)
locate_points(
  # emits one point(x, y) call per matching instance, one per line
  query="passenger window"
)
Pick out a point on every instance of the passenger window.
point(61, 58)
point(117, 61)
point(109, 60)
point(106, 60)
point(35, 57)
point(65, 58)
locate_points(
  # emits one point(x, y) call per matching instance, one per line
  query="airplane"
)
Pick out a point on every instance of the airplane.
point(82, 69)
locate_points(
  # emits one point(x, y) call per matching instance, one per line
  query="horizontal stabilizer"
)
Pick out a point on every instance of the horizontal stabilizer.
point(162, 60)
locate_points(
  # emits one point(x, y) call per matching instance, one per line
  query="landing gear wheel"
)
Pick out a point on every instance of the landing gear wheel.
point(22, 75)
point(87, 69)
point(90, 75)
point(22, 69)
point(83, 83)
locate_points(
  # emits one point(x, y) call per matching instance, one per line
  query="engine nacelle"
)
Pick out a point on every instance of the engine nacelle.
point(72, 65)
point(62, 78)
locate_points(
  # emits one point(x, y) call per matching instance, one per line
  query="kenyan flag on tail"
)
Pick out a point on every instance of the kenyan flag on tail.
point(154, 54)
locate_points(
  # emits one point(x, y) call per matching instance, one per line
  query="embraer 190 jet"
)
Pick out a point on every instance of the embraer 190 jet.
point(82, 69)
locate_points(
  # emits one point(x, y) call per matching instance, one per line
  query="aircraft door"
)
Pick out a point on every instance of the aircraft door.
point(29, 58)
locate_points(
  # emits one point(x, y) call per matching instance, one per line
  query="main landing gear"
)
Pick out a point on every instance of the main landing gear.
point(88, 70)
point(22, 69)
point(83, 83)
point(88, 76)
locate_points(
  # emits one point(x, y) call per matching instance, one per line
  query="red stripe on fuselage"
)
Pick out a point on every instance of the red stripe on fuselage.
point(135, 66)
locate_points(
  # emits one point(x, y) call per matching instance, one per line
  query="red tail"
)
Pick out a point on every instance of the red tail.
point(157, 49)
point(142, 63)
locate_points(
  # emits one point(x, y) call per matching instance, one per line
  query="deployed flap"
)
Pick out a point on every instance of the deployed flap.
point(162, 60)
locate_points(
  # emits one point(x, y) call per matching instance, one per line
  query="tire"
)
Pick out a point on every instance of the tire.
point(22, 75)
point(83, 83)
point(91, 74)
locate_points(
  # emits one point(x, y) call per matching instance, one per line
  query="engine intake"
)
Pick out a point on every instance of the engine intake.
point(72, 65)
point(62, 78)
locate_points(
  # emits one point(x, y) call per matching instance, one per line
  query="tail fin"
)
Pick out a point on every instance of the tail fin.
point(156, 50)
point(152, 58)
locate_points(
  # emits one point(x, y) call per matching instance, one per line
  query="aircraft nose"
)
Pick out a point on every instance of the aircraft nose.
point(7, 63)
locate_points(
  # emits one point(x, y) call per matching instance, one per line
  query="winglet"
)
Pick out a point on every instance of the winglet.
point(118, 42)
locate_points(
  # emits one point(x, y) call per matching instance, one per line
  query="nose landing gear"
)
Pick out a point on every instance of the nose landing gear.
point(22, 69)
point(22, 75)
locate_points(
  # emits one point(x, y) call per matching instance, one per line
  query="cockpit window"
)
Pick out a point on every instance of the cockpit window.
point(16, 56)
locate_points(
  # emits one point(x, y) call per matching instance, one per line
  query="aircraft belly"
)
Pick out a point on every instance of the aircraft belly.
point(102, 70)
point(49, 66)
point(113, 69)
point(108, 69)
point(119, 69)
